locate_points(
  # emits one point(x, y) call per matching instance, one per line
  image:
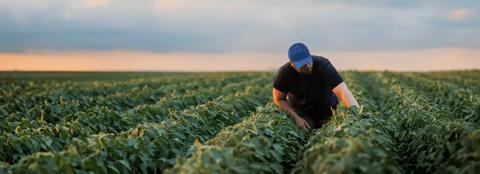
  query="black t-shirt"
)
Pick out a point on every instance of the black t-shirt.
point(315, 88)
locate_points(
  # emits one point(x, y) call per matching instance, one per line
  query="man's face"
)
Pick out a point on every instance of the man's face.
point(305, 69)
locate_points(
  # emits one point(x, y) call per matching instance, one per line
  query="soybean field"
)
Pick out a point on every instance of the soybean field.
point(226, 122)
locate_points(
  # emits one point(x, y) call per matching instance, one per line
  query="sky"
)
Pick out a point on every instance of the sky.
point(219, 35)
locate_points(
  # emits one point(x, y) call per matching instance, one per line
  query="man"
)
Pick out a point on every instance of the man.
point(307, 88)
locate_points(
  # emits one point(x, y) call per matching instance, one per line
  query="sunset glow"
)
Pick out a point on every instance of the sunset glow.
point(411, 60)
point(214, 35)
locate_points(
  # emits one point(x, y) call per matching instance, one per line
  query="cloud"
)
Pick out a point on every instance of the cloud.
point(460, 14)
point(96, 3)
point(235, 26)
point(172, 5)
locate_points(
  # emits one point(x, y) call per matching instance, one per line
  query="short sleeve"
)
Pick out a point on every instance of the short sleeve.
point(331, 77)
point(280, 83)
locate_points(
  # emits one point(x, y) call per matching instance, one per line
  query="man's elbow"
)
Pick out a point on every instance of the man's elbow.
point(277, 102)
point(340, 89)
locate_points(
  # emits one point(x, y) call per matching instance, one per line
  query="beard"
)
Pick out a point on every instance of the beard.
point(306, 71)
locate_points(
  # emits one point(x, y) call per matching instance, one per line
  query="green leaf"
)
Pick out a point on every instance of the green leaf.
point(125, 163)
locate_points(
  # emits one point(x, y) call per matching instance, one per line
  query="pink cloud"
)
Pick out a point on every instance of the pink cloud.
point(459, 14)
point(96, 3)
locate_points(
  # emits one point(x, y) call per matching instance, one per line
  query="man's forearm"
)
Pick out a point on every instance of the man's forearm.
point(286, 106)
point(349, 100)
point(345, 95)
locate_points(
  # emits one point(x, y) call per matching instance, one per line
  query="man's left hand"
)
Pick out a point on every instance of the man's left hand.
point(354, 111)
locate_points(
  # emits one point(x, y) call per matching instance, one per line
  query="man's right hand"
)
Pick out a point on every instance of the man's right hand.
point(301, 123)
point(281, 101)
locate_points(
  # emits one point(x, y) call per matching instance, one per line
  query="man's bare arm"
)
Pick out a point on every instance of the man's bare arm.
point(280, 100)
point(344, 94)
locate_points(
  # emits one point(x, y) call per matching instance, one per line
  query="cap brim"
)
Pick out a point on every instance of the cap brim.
point(300, 63)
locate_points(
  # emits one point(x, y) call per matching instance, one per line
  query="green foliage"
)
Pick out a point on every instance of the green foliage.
point(266, 142)
point(226, 123)
point(150, 147)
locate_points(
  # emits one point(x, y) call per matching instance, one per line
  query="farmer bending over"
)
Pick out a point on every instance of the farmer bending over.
point(308, 88)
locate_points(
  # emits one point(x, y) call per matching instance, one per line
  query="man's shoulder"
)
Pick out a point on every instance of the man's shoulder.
point(320, 62)
point(320, 59)
point(284, 68)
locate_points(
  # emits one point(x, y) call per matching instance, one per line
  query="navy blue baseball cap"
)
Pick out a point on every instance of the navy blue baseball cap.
point(299, 55)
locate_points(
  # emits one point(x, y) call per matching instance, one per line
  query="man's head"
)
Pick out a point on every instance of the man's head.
point(300, 58)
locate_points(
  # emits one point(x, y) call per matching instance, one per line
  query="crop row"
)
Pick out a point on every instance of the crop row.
point(18, 99)
point(266, 142)
point(402, 130)
point(149, 147)
point(69, 115)
point(30, 138)
point(349, 145)
point(430, 137)
point(465, 79)
point(56, 107)
point(73, 88)
point(462, 103)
